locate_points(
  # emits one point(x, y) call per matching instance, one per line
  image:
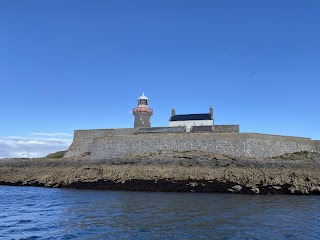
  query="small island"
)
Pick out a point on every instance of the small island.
point(192, 154)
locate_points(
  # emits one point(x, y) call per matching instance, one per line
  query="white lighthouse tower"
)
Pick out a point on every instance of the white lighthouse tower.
point(142, 113)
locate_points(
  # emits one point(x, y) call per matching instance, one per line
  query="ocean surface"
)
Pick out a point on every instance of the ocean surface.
point(41, 213)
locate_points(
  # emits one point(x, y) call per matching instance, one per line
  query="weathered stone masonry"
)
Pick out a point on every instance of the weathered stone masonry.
point(82, 139)
point(111, 143)
point(226, 128)
point(317, 145)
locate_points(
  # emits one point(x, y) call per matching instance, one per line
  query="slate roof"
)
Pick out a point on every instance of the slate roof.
point(191, 117)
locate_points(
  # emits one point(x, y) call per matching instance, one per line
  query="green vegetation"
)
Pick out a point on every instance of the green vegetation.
point(298, 155)
point(59, 154)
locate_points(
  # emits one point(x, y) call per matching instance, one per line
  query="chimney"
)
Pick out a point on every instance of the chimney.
point(173, 112)
point(211, 112)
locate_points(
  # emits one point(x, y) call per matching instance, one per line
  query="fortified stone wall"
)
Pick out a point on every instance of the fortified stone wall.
point(82, 139)
point(226, 128)
point(161, 130)
point(232, 144)
point(202, 129)
point(317, 145)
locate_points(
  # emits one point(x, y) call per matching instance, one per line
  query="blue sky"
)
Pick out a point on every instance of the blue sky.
point(67, 65)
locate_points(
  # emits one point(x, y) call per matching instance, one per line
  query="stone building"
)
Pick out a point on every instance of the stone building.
point(190, 121)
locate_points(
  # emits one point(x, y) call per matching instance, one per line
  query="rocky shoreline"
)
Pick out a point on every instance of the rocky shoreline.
point(189, 171)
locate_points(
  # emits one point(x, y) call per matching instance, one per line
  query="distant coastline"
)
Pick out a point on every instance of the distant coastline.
point(173, 171)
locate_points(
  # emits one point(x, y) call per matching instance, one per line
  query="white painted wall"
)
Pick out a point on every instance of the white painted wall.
point(189, 124)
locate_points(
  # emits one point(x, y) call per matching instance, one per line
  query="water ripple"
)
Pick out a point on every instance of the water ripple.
point(40, 213)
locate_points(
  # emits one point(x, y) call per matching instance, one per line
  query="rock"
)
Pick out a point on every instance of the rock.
point(237, 188)
point(193, 184)
point(255, 190)
point(167, 171)
point(293, 189)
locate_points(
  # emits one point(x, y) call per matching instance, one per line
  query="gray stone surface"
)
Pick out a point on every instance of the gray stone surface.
point(202, 129)
point(226, 128)
point(82, 139)
point(317, 145)
point(161, 130)
point(110, 143)
point(142, 120)
point(232, 144)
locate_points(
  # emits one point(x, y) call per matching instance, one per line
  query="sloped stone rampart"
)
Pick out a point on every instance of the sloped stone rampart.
point(232, 144)
point(82, 140)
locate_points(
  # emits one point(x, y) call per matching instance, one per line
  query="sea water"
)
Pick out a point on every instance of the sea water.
point(41, 213)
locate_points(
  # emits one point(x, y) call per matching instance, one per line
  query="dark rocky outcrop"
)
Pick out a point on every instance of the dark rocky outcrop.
point(189, 171)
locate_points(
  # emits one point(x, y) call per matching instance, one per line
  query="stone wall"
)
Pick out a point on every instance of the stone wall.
point(226, 128)
point(109, 143)
point(233, 144)
point(82, 139)
point(317, 145)
point(202, 129)
point(161, 130)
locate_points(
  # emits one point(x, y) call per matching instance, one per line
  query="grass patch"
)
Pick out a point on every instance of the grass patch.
point(59, 154)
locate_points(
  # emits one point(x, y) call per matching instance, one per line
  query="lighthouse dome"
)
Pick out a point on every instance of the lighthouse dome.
point(143, 97)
